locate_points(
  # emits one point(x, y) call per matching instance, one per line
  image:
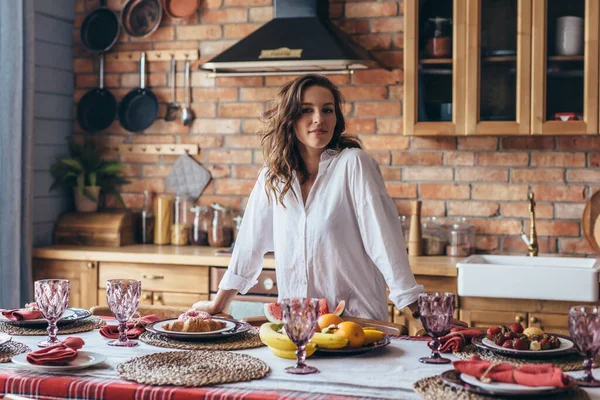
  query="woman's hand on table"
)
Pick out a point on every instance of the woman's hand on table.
point(206, 305)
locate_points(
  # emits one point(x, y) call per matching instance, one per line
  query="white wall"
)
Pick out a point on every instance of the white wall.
point(53, 110)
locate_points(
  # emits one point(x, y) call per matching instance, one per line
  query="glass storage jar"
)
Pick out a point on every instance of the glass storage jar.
point(405, 224)
point(221, 230)
point(461, 240)
point(200, 226)
point(180, 230)
point(434, 237)
point(146, 228)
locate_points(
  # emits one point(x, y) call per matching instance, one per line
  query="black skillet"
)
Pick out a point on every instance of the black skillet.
point(139, 108)
point(100, 29)
point(97, 108)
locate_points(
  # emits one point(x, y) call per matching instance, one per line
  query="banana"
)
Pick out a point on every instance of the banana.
point(269, 336)
point(291, 354)
point(329, 341)
point(372, 336)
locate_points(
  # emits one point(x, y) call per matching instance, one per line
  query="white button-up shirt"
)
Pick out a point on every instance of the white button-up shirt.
point(345, 243)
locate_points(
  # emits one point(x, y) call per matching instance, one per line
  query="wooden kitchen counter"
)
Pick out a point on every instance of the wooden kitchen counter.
point(201, 255)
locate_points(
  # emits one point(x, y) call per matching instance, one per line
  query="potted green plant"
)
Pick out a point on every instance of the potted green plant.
point(87, 174)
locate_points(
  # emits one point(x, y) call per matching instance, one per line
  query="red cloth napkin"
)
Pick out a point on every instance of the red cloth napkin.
point(58, 354)
point(457, 339)
point(20, 314)
point(527, 374)
point(134, 329)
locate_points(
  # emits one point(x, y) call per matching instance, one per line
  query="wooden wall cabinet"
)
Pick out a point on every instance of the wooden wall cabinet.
point(507, 75)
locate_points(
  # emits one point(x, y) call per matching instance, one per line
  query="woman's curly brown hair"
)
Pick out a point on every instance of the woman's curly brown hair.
point(279, 142)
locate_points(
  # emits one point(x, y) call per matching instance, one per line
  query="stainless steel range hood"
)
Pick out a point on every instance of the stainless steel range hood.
point(300, 39)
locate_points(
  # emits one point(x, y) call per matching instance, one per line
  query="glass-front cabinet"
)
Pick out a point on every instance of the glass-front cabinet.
point(564, 70)
point(498, 67)
point(501, 67)
point(434, 57)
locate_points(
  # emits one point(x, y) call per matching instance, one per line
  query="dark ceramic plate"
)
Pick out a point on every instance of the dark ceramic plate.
point(478, 342)
point(452, 378)
point(239, 327)
point(381, 343)
point(73, 314)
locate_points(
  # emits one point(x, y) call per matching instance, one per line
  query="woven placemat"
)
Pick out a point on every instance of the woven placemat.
point(572, 362)
point(245, 340)
point(192, 368)
point(433, 388)
point(83, 325)
point(10, 349)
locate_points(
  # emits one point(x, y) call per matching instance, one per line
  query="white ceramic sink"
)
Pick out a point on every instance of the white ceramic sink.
point(519, 277)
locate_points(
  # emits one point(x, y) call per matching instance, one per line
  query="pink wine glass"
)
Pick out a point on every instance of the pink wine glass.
point(52, 299)
point(123, 297)
point(584, 326)
point(300, 317)
point(436, 310)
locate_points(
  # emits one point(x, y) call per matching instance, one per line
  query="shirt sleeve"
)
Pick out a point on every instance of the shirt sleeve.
point(254, 239)
point(381, 230)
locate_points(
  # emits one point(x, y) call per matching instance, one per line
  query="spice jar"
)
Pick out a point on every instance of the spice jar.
point(221, 231)
point(461, 240)
point(180, 229)
point(201, 226)
point(439, 33)
point(434, 237)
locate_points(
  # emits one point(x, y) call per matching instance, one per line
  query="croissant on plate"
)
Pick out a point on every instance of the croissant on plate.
point(194, 325)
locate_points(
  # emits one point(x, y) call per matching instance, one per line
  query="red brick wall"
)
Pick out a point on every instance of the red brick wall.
point(483, 178)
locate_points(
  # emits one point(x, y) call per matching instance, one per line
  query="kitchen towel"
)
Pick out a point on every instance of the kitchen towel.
point(58, 354)
point(134, 328)
point(526, 374)
point(187, 177)
point(20, 314)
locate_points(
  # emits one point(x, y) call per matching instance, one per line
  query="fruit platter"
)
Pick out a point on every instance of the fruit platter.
point(333, 334)
point(519, 341)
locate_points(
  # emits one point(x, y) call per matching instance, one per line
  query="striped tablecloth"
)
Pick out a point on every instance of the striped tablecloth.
point(384, 373)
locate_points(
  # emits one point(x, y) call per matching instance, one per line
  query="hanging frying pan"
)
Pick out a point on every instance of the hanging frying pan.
point(100, 29)
point(139, 108)
point(180, 8)
point(97, 108)
point(141, 18)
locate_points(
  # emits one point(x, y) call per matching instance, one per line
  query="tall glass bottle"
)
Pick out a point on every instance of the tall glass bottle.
point(147, 221)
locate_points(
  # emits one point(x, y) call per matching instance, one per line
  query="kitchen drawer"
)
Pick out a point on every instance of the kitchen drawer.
point(267, 282)
point(552, 323)
point(486, 318)
point(169, 278)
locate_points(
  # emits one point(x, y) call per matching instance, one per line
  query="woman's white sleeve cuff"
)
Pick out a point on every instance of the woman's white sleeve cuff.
point(407, 297)
point(233, 281)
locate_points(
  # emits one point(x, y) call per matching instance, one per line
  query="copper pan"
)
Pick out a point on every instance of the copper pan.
point(141, 18)
point(180, 8)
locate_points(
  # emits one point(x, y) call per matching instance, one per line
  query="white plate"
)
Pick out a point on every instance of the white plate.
point(67, 314)
point(229, 325)
point(501, 387)
point(4, 338)
point(85, 359)
point(565, 344)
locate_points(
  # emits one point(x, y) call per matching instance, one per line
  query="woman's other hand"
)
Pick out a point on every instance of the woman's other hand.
point(205, 305)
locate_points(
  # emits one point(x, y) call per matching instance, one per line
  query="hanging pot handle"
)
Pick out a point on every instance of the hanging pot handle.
point(142, 70)
point(101, 77)
point(102, 3)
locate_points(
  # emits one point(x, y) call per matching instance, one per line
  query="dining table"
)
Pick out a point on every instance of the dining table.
point(384, 373)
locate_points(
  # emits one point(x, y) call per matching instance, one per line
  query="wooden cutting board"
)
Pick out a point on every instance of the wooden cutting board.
point(590, 221)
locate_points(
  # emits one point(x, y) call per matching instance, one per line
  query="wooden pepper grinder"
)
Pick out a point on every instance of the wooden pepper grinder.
point(415, 238)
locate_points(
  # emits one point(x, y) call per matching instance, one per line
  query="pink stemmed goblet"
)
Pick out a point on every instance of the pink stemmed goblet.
point(52, 299)
point(436, 311)
point(300, 317)
point(123, 297)
point(584, 326)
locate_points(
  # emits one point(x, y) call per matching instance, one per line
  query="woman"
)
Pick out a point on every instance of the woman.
point(321, 205)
